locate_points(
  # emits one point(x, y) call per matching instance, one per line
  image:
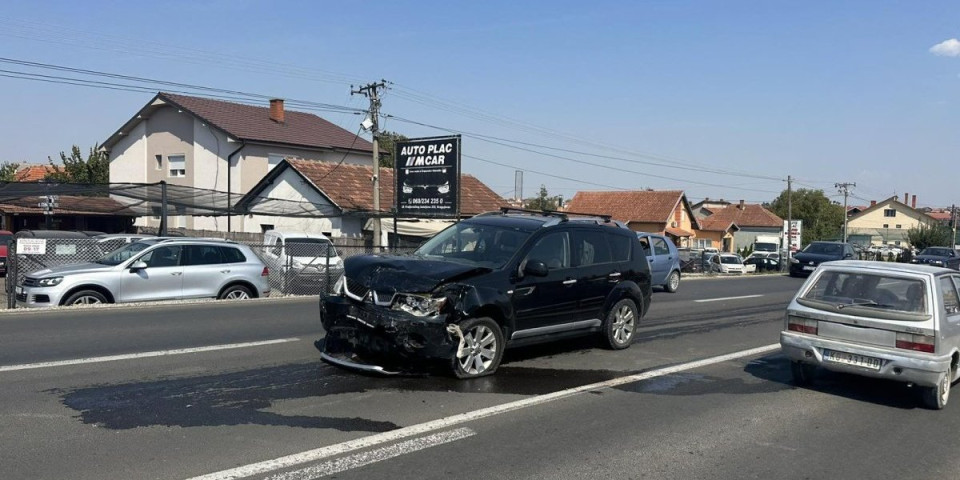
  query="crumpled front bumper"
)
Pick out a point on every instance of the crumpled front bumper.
point(376, 339)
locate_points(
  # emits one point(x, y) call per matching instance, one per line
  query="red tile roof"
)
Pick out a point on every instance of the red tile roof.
point(349, 187)
point(752, 215)
point(32, 173)
point(248, 122)
point(647, 206)
point(679, 232)
point(942, 216)
point(711, 224)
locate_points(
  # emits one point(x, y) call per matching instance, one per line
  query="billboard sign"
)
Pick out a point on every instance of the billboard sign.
point(794, 229)
point(428, 177)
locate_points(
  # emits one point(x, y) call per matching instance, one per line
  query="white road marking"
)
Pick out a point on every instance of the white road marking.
point(443, 423)
point(366, 458)
point(132, 356)
point(726, 298)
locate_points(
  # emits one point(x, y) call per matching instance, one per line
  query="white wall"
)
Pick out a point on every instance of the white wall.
point(128, 158)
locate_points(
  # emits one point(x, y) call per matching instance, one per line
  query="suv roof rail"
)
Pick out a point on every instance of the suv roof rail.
point(559, 216)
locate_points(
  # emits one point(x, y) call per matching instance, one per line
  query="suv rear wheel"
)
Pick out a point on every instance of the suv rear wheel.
point(482, 349)
point(236, 292)
point(620, 324)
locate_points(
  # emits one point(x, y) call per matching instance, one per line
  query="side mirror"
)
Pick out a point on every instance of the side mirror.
point(138, 265)
point(847, 255)
point(536, 268)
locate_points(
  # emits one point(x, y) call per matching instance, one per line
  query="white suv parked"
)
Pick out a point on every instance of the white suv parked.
point(302, 262)
point(152, 269)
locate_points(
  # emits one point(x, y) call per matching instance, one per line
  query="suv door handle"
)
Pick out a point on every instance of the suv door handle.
point(615, 275)
point(176, 273)
point(570, 282)
point(224, 271)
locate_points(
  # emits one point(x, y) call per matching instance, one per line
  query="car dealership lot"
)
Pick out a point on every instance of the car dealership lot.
point(265, 395)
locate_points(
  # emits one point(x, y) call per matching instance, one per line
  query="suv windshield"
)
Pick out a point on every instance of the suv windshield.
point(844, 289)
point(123, 253)
point(482, 245)
point(823, 248)
point(310, 247)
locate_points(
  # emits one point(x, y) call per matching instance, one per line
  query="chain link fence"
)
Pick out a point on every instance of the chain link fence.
point(295, 269)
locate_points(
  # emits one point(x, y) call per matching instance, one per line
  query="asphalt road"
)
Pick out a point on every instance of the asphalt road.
point(567, 410)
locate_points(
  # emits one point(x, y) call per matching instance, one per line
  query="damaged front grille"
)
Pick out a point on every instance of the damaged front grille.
point(355, 289)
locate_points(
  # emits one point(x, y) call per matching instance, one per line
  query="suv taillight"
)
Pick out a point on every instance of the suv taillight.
point(920, 343)
point(265, 272)
point(802, 325)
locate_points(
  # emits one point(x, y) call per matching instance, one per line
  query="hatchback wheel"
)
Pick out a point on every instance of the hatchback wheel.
point(673, 282)
point(937, 397)
point(236, 292)
point(85, 297)
point(482, 349)
point(620, 324)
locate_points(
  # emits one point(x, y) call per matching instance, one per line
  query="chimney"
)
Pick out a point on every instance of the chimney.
point(741, 204)
point(906, 198)
point(276, 110)
point(913, 202)
point(873, 202)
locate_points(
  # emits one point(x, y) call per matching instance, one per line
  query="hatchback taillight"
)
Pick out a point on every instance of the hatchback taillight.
point(265, 272)
point(802, 325)
point(920, 343)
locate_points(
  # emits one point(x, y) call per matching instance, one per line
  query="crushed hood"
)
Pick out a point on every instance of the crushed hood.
point(409, 274)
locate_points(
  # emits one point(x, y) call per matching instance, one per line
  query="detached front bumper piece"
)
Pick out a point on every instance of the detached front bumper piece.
point(376, 339)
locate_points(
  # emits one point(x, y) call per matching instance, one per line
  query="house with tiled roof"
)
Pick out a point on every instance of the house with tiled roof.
point(887, 222)
point(337, 200)
point(750, 221)
point(218, 145)
point(706, 207)
point(33, 173)
point(657, 211)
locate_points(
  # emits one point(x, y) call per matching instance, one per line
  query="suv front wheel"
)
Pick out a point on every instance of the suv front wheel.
point(482, 349)
point(620, 324)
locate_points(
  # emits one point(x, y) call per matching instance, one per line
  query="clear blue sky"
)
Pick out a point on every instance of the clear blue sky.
point(823, 91)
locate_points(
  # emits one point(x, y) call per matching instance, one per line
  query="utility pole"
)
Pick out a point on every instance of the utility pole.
point(845, 189)
point(372, 91)
point(953, 221)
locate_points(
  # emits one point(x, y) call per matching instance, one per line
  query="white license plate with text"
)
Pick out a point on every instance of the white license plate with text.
point(852, 359)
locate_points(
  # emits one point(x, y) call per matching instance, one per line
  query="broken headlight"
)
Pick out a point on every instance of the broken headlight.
point(419, 305)
point(338, 287)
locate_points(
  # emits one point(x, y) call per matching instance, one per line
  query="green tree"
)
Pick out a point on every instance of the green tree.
point(8, 170)
point(95, 169)
point(929, 236)
point(543, 201)
point(822, 219)
point(387, 141)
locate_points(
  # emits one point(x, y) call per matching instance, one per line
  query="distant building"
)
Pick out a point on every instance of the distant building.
point(665, 212)
point(887, 222)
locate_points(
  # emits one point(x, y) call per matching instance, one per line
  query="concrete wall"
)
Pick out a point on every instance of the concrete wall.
point(254, 164)
point(128, 158)
point(170, 132)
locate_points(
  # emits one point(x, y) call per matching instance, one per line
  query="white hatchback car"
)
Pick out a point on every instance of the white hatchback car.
point(302, 262)
point(885, 320)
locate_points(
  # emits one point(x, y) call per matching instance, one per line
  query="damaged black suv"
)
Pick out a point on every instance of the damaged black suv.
point(491, 282)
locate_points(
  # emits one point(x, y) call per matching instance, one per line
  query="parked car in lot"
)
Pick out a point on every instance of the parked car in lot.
point(806, 261)
point(302, 262)
point(898, 322)
point(151, 269)
point(664, 260)
point(938, 256)
point(727, 263)
point(483, 285)
point(763, 263)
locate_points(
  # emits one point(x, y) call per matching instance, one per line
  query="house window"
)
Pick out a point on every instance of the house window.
point(273, 160)
point(886, 225)
point(898, 225)
point(178, 165)
point(704, 243)
point(159, 162)
point(889, 212)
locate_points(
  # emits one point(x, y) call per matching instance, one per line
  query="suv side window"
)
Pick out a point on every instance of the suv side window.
point(552, 249)
point(166, 256)
point(620, 247)
point(232, 255)
point(590, 247)
point(660, 246)
point(201, 255)
point(951, 301)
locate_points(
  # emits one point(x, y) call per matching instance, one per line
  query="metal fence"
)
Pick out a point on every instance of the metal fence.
point(294, 269)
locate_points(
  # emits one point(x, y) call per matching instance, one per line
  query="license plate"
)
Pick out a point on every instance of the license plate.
point(808, 267)
point(852, 359)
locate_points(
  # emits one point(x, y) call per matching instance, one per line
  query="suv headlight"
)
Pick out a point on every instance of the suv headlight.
point(49, 282)
point(338, 287)
point(418, 305)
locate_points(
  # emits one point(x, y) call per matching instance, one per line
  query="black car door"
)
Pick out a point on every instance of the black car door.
point(597, 273)
point(542, 302)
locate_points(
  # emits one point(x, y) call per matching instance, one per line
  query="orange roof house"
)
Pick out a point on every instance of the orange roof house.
point(664, 212)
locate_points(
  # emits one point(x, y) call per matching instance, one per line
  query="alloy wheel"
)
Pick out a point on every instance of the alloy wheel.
point(237, 295)
point(86, 300)
point(481, 350)
point(623, 324)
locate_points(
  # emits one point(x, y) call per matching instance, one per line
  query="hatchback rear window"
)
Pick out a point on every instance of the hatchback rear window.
point(870, 291)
